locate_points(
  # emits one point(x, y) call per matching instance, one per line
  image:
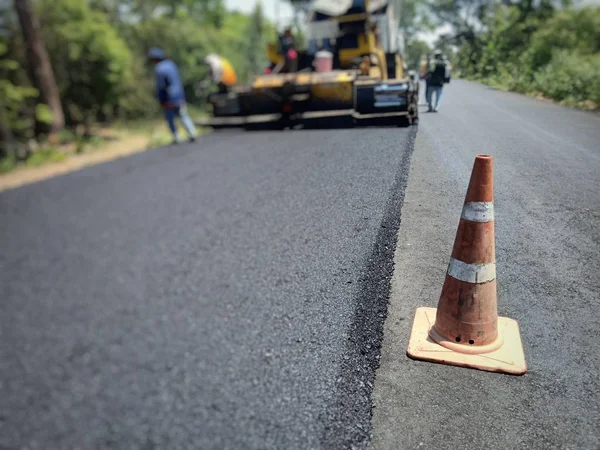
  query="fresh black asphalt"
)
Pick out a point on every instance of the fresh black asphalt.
point(226, 294)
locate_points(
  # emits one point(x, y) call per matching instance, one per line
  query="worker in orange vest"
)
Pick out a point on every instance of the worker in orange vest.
point(222, 72)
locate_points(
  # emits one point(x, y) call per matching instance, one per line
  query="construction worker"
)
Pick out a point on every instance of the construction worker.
point(287, 45)
point(170, 93)
point(436, 77)
point(222, 72)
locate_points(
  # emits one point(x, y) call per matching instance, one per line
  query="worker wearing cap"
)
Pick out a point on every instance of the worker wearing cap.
point(222, 72)
point(170, 93)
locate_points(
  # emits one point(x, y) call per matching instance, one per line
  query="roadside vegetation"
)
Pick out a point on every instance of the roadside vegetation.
point(74, 76)
point(143, 134)
point(544, 48)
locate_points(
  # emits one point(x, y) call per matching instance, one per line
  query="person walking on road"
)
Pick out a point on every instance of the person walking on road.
point(436, 77)
point(170, 94)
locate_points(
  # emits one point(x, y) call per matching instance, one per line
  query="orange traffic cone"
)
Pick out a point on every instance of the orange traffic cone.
point(465, 330)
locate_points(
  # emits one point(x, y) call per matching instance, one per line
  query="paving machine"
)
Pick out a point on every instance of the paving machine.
point(364, 80)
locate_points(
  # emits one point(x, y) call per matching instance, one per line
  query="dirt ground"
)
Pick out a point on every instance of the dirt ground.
point(123, 147)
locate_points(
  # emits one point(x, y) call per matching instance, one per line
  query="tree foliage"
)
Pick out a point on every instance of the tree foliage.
point(16, 113)
point(528, 46)
point(416, 49)
point(97, 49)
point(40, 69)
point(91, 61)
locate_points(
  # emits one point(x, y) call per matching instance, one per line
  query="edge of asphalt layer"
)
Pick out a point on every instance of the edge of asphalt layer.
point(349, 425)
point(75, 164)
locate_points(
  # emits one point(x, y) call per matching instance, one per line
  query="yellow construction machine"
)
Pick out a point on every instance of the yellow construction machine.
point(364, 81)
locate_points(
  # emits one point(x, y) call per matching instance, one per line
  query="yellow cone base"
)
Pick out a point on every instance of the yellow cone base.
point(509, 358)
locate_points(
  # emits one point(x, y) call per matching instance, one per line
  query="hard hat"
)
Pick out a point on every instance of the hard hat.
point(437, 52)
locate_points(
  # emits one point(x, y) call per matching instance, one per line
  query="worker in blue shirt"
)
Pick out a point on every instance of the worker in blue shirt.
point(170, 94)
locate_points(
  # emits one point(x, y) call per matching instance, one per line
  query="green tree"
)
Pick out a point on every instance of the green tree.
point(415, 50)
point(40, 67)
point(256, 37)
point(577, 30)
point(16, 120)
point(97, 51)
point(92, 62)
point(413, 18)
point(211, 12)
point(464, 16)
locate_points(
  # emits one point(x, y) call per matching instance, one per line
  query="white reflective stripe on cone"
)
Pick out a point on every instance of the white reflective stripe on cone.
point(472, 273)
point(478, 211)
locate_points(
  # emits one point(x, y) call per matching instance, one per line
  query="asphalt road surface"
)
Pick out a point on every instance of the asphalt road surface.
point(547, 208)
point(233, 293)
point(224, 295)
